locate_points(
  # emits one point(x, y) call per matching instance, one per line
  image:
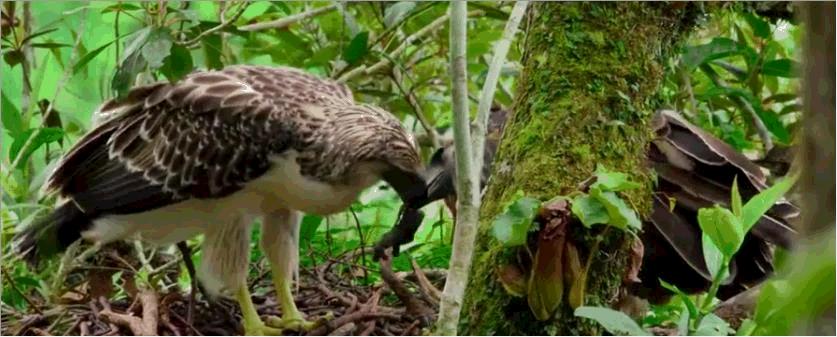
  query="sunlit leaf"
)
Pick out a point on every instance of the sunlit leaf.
point(157, 48)
point(723, 228)
point(712, 325)
point(589, 211)
point(512, 226)
point(759, 204)
point(613, 181)
point(620, 214)
point(615, 322)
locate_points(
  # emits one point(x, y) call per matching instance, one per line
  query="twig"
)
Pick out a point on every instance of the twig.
point(410, 97)
point(424, 283)
point(362, 244)
point(145, 326)
point(224, 23)
point(501, 49)
point(413, 305)
point(288, 20)
point(431, 27)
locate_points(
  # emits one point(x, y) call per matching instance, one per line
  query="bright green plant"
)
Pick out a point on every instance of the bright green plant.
point(723, 233)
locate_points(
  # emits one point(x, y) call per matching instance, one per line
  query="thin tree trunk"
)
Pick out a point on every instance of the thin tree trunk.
point(586, 93)
point(467, 180)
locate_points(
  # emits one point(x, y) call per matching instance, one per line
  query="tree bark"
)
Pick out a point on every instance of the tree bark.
point(585, 97)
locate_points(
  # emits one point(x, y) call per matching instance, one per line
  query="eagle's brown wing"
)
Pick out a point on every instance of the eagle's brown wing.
point(203, 137)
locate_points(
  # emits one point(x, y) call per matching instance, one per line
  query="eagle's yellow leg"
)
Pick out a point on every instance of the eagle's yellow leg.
point(291, 319)
point(253, 325)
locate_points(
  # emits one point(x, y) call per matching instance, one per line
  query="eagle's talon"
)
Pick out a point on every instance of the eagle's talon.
point(259, 328)
point(293, 323)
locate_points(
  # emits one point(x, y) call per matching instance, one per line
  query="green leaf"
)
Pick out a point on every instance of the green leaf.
point(780, 98)
point(308, 228)
point(127, 72)
point(759, 204)
point(512, 226)
point(760, 27)
point(157, 48)
point(683, 322)
point(212, 52)
point(44, 136)
point(735, 198)
point(357, 48)
point(723, 228)
point(719, 47)
point(12, 120)
point(395, 13)
point(589, 211)
point(713, 257)
point(120, 7)
point(746, 328)
point(613, 181)
point(615, 322)
point(34, 35)
point(712, 325)
point(690, 305)
point(135, 42)
point(84, 60)
point(50, 45)
point(781, 68)
point(178, 64)
point(621, 216)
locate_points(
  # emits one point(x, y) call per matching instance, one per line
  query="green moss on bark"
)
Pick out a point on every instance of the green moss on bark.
point(591, 72)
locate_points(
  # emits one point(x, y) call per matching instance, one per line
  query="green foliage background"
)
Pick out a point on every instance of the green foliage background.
point(84, 53)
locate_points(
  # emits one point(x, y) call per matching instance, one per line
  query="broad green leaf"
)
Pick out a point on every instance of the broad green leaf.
point(719, 47)
point(735, 198)
point(589, 211)
point(712, 325)
point(512, 226)
point(621, 215)
point(127, 72)
point(178, 64)
point(615, 322)
point(759, 204)
point(713, 257)
point(613, 181)
point(45, 136)
point(760, 27)
point(395, 13)
point(12, 120)
point(157, 48)
point(781, 68)
point(723, 228)
point(84, 60)
point(690, 305)
point(135, 42)
point(357, 48)
point(308, 228)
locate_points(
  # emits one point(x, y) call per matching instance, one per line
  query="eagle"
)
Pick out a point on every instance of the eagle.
point(695, 170)
point(215, 151)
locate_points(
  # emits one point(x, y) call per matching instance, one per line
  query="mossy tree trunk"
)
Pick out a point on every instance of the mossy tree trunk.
point(588, 89)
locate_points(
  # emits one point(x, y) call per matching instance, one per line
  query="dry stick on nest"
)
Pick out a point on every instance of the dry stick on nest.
point(414, 306)
point(145, 326)
point(425, 285)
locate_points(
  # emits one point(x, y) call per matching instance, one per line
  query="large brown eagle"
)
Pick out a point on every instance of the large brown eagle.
point(213, 152)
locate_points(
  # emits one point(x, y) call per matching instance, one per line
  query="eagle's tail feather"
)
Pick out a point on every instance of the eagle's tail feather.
point(51, 234)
